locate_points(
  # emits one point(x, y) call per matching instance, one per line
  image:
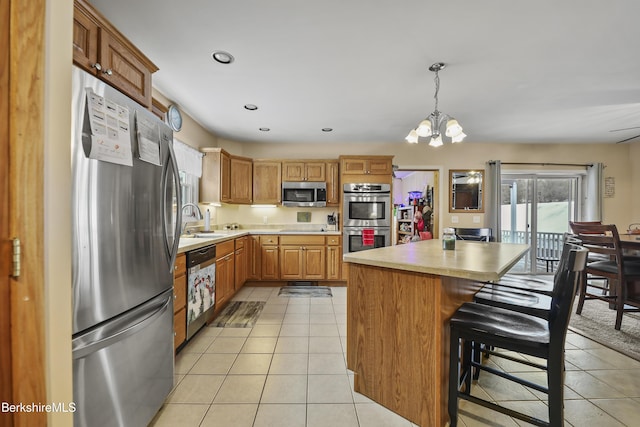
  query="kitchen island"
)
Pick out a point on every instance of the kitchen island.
point(399, 302)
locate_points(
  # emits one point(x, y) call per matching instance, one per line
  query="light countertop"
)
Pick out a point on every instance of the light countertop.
point(187, 244)
point(470, 260)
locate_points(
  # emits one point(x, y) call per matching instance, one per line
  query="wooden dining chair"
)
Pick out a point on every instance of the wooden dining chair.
point(614, 266)
point(476, 326)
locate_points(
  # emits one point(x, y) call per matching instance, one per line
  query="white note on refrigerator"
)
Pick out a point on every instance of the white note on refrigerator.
point(110, 133)
point(148, 140)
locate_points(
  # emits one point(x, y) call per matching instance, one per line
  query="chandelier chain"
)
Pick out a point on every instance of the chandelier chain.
point(437, 81)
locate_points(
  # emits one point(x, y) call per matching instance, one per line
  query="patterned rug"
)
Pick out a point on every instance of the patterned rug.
point(239, 314)
point(305, 291)
point(597, 323)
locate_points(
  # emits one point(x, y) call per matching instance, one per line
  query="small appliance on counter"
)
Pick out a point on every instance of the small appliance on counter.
point(332, 222)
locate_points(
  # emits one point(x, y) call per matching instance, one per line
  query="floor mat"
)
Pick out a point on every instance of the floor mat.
point(305, 291)
point(239, 314)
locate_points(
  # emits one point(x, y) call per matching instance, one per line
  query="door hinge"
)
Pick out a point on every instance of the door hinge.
point(16, 258)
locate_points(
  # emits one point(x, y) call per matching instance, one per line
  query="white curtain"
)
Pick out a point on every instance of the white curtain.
point(592, 191)
point(493, 205)
point(188, 158)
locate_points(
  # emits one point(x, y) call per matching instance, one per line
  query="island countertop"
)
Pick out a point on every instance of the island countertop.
point(480, 261)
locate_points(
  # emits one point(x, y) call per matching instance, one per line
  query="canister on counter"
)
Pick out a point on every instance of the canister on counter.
point(449, 239)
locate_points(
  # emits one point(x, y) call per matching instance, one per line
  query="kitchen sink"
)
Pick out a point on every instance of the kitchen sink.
point(210, 235)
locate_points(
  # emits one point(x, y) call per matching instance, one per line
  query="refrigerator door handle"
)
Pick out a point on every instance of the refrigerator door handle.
point(86, 346)
point(172, 246)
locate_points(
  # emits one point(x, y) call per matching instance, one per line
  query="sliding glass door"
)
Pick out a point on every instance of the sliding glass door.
point(536, 210)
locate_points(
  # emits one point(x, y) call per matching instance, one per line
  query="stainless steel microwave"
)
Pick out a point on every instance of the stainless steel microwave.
point(304, 194)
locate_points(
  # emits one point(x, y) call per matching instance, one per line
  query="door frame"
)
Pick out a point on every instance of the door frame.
point(22, 178)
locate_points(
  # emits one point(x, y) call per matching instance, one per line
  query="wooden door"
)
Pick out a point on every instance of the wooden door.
point(333, 183)
point(22, 343)
point(334, 259)
point(254, 257)
point(293, 171)
point(269, 259)
point(225, 177)
point(315, 172)
point(267, 182)
point(291, 262)
point(314, 262)
point(241, 179)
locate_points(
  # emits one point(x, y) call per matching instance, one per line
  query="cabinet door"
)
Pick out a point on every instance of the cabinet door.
point(225, 177)
point(270, 266)
point(85, 40)
point(314, 262)
point(241, 180)
point(334, 261)
point(291, 262)
point(380, 167)
point(224, 278)
point(179, 328)
point(240, 268)
point(254, 257)
point(354, 166)
point(267, 182)
point(124, 70)
point(293, 171)
point(315, 172)
point(333, 184)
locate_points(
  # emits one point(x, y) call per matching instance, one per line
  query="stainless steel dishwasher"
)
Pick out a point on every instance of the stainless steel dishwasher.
point(201, 287)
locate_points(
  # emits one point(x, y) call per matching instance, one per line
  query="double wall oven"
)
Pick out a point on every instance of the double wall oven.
point(366, 218)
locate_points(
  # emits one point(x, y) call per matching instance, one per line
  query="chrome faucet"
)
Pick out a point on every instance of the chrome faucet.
point(198, 215)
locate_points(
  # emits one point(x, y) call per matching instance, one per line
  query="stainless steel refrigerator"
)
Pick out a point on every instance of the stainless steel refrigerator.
point(125, 238)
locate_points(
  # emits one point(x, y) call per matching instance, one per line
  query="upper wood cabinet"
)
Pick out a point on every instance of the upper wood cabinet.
point(333, 183)
point(241, 172)
point(225, 178)
point(100, 49)
point(304, 171)
point(267, 182)
point(369, 165)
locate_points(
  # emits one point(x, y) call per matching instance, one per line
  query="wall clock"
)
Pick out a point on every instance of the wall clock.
point(174, 118)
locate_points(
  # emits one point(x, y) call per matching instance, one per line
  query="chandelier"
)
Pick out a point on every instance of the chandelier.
point(430, 127)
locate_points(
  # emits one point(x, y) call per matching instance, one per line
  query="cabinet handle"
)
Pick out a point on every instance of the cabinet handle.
point(97, 66)
point(108, 72)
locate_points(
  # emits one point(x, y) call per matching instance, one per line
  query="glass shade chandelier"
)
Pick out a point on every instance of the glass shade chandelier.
point(430, 127)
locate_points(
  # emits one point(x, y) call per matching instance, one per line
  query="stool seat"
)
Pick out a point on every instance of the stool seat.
point(519, 329)
point(534, 304)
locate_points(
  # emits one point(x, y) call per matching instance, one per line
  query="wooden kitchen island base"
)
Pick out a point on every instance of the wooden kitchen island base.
point(399, 302)
point(397, 325)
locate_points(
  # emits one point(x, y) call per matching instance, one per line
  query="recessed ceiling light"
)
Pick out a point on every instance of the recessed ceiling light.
point(327, 129)
point(250, 107)
point(265, 129)
point(223, 57)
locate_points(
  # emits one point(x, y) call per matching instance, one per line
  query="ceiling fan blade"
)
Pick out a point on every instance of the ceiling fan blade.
point(617, 130)
point(628, 139)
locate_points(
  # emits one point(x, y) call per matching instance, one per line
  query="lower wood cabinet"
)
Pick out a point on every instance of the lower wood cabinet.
point(269, 257)
point(254, 256)
point(241, 264)
point(225, 271)
point(302, 257)
point(179, 301)
point(334, 258)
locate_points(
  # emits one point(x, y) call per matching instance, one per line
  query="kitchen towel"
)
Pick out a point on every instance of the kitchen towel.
point(367, 237)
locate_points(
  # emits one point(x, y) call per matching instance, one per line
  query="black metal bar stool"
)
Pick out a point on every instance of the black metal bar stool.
point(476, 325)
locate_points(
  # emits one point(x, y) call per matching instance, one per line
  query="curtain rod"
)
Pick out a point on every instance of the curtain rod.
point(491, 162)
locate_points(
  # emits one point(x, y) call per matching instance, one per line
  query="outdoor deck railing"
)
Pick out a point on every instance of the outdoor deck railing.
point(548, 248)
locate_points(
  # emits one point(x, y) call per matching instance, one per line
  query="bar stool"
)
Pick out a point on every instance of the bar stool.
point(616, 268)
point(476, 325)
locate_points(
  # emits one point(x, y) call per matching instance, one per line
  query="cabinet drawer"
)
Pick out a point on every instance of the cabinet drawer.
point(268, 239)
point(333, 240)
point(241, 242)
point(302, 239)
point(225, 248)
point(180, 266)
point(179, 328)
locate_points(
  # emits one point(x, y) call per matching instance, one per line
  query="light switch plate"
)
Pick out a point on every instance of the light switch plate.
point(476, 219)
point(454, 219)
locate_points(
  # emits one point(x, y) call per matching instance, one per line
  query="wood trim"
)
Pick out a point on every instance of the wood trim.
point(26, 203)
point(5, 243)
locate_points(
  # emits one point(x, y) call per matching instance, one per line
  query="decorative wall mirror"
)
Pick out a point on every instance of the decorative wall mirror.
point(466, 191)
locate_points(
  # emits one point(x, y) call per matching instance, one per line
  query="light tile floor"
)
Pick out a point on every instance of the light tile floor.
point(289, 370)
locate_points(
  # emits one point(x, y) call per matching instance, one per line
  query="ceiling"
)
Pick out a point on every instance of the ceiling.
point(517, 72)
